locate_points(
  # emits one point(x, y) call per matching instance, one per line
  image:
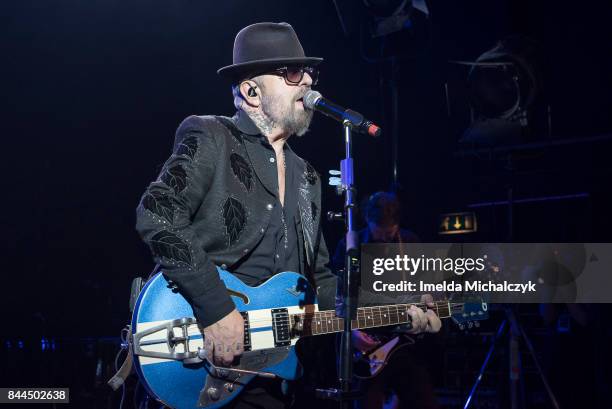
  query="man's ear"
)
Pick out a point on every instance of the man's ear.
point(250, 93)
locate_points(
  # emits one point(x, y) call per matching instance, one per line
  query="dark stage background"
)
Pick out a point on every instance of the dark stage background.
point(92, 92)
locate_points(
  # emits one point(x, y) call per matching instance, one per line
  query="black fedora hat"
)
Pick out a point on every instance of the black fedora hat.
point(265, 45)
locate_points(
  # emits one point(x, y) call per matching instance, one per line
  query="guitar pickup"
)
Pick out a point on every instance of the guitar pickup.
point(281, 327)
point(247, 331)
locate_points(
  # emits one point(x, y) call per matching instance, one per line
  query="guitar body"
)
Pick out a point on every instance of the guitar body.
point(370, 364)
point(367, 365)
point(165, 339)
point(167, 345)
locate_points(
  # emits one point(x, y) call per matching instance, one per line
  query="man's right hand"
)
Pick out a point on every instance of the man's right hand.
point(224, 339)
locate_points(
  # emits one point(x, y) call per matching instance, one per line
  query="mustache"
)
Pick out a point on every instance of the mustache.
point(302, 93)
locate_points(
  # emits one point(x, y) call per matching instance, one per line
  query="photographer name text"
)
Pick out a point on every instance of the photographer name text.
point(452, 286)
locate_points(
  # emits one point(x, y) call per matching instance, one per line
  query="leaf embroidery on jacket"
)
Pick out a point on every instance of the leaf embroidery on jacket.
point(188, 147)
point(306, 211)
point(168, 245)
point(314, 210)
point(176, 178)
point(234, 217)
point(310, 174)
point(242, 170)
point(159, 204)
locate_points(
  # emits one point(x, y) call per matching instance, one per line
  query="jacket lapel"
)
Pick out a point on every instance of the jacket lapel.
point(258, 155)
point(305, 206)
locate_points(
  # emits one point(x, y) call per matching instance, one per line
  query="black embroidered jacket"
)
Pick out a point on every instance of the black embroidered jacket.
point(211, 205)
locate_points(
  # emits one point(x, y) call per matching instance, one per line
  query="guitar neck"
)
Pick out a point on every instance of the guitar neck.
point(326, 322)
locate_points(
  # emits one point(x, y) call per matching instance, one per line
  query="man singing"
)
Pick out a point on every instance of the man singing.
point(233, 194)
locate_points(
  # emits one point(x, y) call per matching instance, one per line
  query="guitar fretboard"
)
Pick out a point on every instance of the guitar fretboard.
point(326, 322)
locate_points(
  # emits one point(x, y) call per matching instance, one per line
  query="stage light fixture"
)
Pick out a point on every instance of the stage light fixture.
point(502, 81)
point(502, 86)
point(391, 16)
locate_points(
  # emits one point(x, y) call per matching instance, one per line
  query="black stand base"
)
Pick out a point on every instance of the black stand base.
point(516, 331)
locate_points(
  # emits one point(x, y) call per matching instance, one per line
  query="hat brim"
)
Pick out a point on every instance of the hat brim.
point(240, 71)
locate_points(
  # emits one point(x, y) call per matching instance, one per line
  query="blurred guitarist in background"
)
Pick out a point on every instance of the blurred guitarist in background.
point(406, 373)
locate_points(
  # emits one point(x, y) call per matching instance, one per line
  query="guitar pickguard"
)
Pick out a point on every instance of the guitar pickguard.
point(378, 358)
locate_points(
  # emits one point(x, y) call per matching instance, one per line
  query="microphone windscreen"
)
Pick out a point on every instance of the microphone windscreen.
point(310, 99)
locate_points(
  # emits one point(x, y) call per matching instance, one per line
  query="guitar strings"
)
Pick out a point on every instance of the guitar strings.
point(322, 315)
point(438, 305)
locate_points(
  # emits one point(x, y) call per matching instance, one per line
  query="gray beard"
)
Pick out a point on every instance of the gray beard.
point(286, 117)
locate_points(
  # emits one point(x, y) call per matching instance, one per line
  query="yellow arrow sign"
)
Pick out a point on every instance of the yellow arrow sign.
point(463, 223)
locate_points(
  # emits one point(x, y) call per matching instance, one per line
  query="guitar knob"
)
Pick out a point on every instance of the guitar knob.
point(172, 286)
point(229, 387)
point(461, 327)
point(213, 393)
point(470, 324)
point(477, 324)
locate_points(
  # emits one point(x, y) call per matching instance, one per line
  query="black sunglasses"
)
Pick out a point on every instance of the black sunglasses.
point(294, 75)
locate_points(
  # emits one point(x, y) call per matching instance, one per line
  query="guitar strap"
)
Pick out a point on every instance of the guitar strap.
point(126, 369)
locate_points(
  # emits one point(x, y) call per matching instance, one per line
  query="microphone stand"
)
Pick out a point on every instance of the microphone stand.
point(350, 281)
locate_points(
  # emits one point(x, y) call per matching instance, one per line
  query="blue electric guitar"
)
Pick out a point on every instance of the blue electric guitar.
point(167, 345)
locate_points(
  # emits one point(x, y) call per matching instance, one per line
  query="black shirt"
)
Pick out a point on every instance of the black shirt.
point(278, 249)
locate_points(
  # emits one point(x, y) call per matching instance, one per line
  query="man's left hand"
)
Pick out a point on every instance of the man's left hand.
point(424, 321)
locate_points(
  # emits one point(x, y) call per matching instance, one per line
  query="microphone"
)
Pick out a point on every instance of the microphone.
point(313, 100)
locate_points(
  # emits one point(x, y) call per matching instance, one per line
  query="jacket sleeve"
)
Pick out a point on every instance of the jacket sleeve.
point(164, 221)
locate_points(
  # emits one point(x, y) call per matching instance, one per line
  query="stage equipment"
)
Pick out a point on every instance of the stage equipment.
point(348, 288)
point(383, 17)
point(503, 84)
point(391, 16)
point(387, 33)
point(313, 100)
point(515, 334)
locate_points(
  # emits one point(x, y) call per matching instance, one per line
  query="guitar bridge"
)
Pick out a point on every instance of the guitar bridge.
point(170, 339)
